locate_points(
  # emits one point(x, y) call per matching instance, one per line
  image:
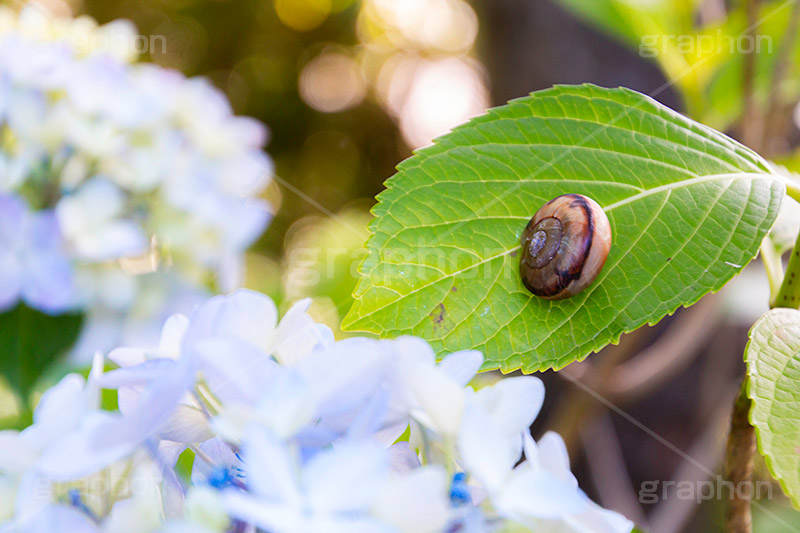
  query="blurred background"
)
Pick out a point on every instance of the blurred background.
point(349, 88)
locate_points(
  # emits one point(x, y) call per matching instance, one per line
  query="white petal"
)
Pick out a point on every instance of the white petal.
point(172, 334)
point(439, 398)
point(270, 469)
point(235, 370)
point(111, 241)
point(61, 518)
point(267, 515)
point(245, 314)
point(48, 282)
point(343, 378)
point(125, 357)
point(188, 425)
point(140, 374)
point(416, 502)
point(60, 408)
point(538, 495)
point(95, 203)
point(487, 454)
point(513, 402)
point(412, 350)
point(287, 404)
point(297, 334)
point(461, 367)
point(78, 455)
point(554, 456)
point(15, 454)
point(599, 520)
point(401, 458)
point(169, 452)
point(346, 478)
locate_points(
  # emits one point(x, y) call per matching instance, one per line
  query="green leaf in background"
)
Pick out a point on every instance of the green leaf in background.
point(30, 341)
point(688, 208)
point(725, 88)
point(702, 55)
point(773, 364)
point(615, 18)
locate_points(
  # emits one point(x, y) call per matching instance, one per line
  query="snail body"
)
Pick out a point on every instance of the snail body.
point(564, 247)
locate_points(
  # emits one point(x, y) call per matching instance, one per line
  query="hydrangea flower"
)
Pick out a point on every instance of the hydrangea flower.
point(33, 264)
point(117, 178)
point(291, 431)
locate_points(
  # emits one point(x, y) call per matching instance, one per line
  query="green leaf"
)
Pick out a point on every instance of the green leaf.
point(630, 21)
point(688, 208)
point(773, 364)
point(724, 102)
point(30, 341)
point(606, 15)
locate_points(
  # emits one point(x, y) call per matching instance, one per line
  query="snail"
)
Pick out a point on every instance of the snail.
point(564, 247)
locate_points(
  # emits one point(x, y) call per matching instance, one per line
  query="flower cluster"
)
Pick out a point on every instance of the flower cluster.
point(289, 431)
point(116, 177)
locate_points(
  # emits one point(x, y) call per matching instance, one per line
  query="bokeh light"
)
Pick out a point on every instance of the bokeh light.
point(332, 82)
point(303, 15)
point(429, 97)
point(446, 25)
point(419, 54)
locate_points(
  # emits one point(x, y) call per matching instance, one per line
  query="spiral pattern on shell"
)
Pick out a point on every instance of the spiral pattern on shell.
point(564, 247)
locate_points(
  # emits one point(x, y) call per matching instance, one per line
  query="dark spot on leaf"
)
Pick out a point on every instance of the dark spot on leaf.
point(514, 253)
point(438, 314)
point(454, 289)
point(669, 259)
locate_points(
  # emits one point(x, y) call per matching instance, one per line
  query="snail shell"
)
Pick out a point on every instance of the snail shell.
point(564, 247)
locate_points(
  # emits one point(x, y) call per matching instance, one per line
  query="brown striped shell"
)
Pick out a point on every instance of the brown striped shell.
point(564, 247)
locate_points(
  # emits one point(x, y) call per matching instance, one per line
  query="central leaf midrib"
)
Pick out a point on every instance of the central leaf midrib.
point(400, 193)
point(631, 199)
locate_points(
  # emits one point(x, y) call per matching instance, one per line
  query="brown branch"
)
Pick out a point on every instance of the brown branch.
point(739, 464)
